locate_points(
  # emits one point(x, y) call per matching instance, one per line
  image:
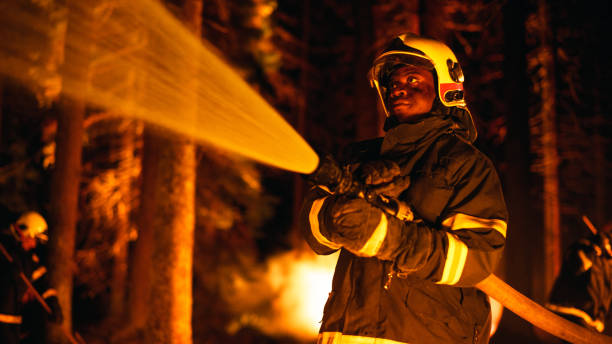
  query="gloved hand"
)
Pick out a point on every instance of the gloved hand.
point(350, 222)
point(601, 244)
point(339, 179)
point(378, 172)
point(383, 177)
point(56, 315)
point(598, 245)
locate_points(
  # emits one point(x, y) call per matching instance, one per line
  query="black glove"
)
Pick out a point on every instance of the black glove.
point(596, 246)
point(339, 179)
point(378, 172)
point(383, 177)
point(351, 222)
point(602, 245)
point(56, 315)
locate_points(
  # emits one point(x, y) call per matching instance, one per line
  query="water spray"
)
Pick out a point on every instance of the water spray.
point(140, 61)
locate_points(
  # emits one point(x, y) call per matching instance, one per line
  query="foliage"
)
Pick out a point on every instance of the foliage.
point(109, 194)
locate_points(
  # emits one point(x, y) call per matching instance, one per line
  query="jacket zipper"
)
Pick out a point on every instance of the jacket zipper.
point(390, 274)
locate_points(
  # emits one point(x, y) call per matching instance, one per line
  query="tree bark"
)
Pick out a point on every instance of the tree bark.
point(63, 212)
point(141, 272)
point(63, 201)
point(173, 223)
point(550, 158)
point(518, 265)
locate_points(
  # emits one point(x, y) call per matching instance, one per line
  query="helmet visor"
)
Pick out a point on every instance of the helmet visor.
point(387, 63)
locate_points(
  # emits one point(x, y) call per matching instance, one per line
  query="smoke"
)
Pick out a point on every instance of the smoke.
point(283, 297)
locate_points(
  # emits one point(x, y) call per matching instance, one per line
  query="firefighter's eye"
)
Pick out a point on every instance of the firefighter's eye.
point(22, 227)
point(412, 80)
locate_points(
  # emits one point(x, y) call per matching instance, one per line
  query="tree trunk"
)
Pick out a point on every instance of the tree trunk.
point(63, 201)
point(173, 224)
point(550, 159)
point(63, 210)
point(169, 318)
point(517, 265)
point(140, 277)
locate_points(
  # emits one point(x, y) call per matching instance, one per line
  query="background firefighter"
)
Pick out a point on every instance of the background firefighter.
point(582, 292)
point(19, 236)
point(410, 280)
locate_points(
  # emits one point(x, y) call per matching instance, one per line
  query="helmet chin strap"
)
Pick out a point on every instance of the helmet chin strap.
point(437, 109)
point(390, 122)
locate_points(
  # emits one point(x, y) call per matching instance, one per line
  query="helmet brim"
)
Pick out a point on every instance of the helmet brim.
point(388, 62)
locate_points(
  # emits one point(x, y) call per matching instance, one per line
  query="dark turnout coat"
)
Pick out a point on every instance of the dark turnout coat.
point(582, 292)
point(14, 293)
point(421, 291)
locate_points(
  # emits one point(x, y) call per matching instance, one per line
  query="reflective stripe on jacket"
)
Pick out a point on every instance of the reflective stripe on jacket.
point(10, 319)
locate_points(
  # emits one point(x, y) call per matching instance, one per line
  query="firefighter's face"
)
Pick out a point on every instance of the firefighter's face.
point(411, 93)
point(27, 242)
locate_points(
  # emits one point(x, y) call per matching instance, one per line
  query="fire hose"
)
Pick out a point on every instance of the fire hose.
point(537, 315)
point(330, 174)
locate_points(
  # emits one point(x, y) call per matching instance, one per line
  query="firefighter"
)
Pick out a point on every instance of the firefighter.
point(20, 266)
point(582, 292)
point(406, 274)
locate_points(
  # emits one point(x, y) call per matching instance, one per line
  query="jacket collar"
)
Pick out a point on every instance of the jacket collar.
point(412, 136)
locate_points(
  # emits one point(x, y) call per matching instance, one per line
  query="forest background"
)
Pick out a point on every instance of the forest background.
point(125, 198)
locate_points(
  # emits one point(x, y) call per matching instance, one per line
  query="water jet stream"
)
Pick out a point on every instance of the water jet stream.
point(142, 62)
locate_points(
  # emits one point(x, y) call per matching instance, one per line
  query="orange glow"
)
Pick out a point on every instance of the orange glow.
point(307, 283)
point(294, 286)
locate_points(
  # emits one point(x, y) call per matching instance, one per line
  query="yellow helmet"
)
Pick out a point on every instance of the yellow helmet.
point(409, 49)
point(32, 224)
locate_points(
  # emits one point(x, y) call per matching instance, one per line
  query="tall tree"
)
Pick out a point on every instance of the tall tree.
point(517, 264)
point(173, 223)
point(170, 298)
point(544, 134)
point(63, 212)
point(140, 277)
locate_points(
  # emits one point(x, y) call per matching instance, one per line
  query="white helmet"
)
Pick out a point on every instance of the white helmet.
point(409, 49)
point(31, 224)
